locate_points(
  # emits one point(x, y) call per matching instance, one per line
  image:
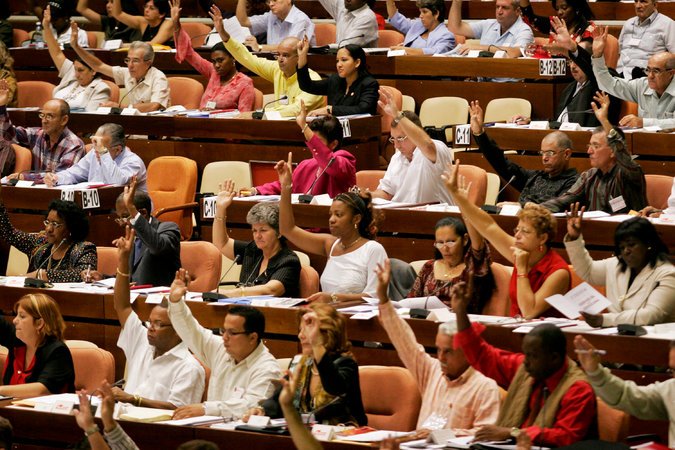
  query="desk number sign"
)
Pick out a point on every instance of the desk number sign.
point(90, 199)
point(552, 67)
point(209, 209)
point(462, 134)
point(68, 195)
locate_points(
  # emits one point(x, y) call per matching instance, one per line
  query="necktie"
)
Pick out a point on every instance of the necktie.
point(138, 248)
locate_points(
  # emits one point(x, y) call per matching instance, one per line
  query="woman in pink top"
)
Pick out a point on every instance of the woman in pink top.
point(227, 88)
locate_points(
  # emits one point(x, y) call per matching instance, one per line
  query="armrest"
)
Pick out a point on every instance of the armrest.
point(186, 206)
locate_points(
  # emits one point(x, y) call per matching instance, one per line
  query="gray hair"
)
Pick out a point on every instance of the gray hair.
point(148, 52)
point(116, 133)
point(266, 212)
point(561, 140)
point(448, 328)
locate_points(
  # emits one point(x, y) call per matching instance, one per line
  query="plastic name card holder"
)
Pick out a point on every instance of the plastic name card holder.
point(570, 126)
point(539, 125)
point(112, 44)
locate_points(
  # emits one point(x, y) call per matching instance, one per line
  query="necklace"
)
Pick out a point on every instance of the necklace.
point(51, 258)
point(345, 247)
point(450, 271)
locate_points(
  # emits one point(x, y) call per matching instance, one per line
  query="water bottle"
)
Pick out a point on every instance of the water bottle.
point(37, 36)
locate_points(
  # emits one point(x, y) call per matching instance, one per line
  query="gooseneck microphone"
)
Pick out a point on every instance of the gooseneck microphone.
point(307, 196)
point(260, 114)
point(129, 92)
point(215, 296)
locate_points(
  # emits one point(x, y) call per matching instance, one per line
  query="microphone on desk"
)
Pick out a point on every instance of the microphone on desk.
point(423, 313)
point(494, 209)
point(215, 296)
point(307, 196)
point(14, 181)
point(322, 407)
point(260, 114)
point(326, 49)
point(632, 329)
point(118, 110)
point(36, 282)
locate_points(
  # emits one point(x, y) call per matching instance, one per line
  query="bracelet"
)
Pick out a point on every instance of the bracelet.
point(288, 186)
point(242, 291)
point(91, 430)
point(222, 219)
point(119, 272)
point(304, 128)
point(521, 275)
point(137, 400)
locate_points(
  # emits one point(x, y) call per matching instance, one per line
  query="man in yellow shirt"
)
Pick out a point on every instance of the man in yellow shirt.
point(281, 73)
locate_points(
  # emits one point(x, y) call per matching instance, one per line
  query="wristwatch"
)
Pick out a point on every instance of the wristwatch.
point(515, 432)
point(334, 298)
point(398, 118)
point(91, 430)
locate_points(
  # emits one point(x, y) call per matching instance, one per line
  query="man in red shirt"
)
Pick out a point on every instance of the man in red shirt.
point(548, 396)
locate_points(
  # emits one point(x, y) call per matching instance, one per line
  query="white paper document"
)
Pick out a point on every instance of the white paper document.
point(581, 298)
point(430, 302)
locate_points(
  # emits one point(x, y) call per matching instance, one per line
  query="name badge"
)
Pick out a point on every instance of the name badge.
point(634, 42)
point(211, 105)
point(617, 203)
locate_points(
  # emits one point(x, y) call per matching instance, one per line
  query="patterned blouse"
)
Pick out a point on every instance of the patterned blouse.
point(584, 32)
point(478, 261)
point(78, 257)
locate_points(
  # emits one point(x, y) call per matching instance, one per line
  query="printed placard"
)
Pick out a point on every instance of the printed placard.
point(346, 128)
point(68, 195)
point(552, 67)
point(209, 208)
point(90, 199)
point(463, 134)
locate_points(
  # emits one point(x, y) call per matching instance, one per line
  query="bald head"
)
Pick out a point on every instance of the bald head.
point(660, 69)
point(556, 149)
point(54, 116)
point(288, 55)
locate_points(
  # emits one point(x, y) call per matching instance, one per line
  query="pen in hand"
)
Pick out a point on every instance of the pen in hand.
point(594, 351)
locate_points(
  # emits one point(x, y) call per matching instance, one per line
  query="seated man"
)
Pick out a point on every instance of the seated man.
point(355, 22)
point(507, 31)
point(451, 389)
point(147, 87)
point(242, 368)
point(535, 186)
point(413, 172)
point(53, 145)
point(642, 36)
point(109, 161)
point(282, 72)
point(547, 396)
point(161, 372)
point(283, 20)
point(615, 183)
point(652, 402)
point(655, 94)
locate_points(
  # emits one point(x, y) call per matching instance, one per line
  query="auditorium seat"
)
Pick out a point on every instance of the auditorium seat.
point(407, 103)
point(173, 196)
point(389, 38)
point(33, 93)
point(19, 36)
point(197, 32)
point(309, 281)
point(438, 114)
point(478, 179)
point(92, 39)
point(390, 397)
point(202, 260)
point(499, 303)
point(17, 262)
point(92, 364)
point(493, 182)
point(369, 179)
point(386, 150)
point(114, 91)
point(324, 33)
point(107, 259)
point(612, 51)
point(503, 109)
point(23, 158)
point(259, 101)
point(185, 91)
point(659, 188)
point(613, 424)
point(217, 172)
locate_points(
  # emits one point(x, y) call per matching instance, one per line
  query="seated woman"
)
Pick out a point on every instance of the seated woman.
point(79, 86)
point(539, 271)
point(59, 254)
point(352, 253)
point(268, 265)
point(459, 250)
point(7, 74)
point(112, 29)
point(227, 88)
point(153, 26)
point(426, 35)
point(639, 281)
point(327, 375)
point(330, 171)
point(353, 90)
point(577, 15)
point(38, 361)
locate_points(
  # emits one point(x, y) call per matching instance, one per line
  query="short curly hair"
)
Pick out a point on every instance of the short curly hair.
point(540, 218)
point(265, 212)
point(75, 218)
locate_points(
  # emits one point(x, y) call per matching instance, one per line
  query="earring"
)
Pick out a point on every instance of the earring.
point(356, 226)
point(541, 247)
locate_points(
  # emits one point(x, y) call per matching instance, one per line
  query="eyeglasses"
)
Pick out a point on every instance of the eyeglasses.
point(655, 70)
point(47, 116)
point(230, 332)
point(522, 230)
point(398, 139)
point(133, 60)
point(440, 244)
point(156, 325)
point(122, 221)
point(548, 153)
point(53, 224)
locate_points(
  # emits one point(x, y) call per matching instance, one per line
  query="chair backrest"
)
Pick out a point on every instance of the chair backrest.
point(576, 280)
point(168, 190)
point(628, 108)
point(493, 182)
point(23, 158)
point(408, 103)
point(92, 39)
point(309, 281)
point(17, 262)
point(613, 424)
point(369, 179)
point(478, 179)
point(659, 188)
point(324, 33)
point(503, 109)
point(441, 111)
point(612, 51)
point(33, 93)
point(19, 36)
point(227, 267)
point(259, 99)
point(197, 32)
point(386, 411)
point(303, 257)
point(216, 172)
point(398, 100)
point(114, 91)
point(389, 38)
point(499, 302)
point(107, 260)
point(417, 265)
point(185, 91)
point(263, 172)
point(202, 261)
point(92, 365)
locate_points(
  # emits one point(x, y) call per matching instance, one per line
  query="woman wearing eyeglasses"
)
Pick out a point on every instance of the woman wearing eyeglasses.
point(59, 254)
point(459, 250)
point(269, 267)
point(539, 271)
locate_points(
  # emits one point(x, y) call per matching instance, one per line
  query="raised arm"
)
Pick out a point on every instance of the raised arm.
point(91, 60)
point(54, 49)
point(455, 23)
point(217, 18)
point(84, 9)
point(122, 297)
point(127, 19)
point(391, 8)
point(242, 16)
point(164, 34)
point(220, 237)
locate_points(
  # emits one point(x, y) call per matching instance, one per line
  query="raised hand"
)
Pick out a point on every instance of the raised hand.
point(476, 113)
point(175, 13)
point(107, 403)
point(574, 217)
point(46, 18)
point(383, 272)
point(301, 118)
point(74, 31)
point(217, 18)
point(461, 294)
point(303, 49)
point(225, 196)
point(179, 287)
point(599, 41)
point(128, 197)
point(83, 416)
point(125, 243)
point(285, 171)
point(562, 35)
point(311, 328)
point(386, 102)
point(588, 357)
point(454, 183)
point(600, 107)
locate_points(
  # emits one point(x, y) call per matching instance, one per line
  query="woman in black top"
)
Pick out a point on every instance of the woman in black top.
point(38, 361)
point(353, 90)
point(154, 25)
point(268, 266)
point(109, 25)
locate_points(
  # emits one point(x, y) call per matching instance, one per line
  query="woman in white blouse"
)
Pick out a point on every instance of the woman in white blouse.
point(79, 86)
point(352, 253)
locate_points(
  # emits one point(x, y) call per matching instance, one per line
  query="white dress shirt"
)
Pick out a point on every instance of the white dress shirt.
point(108, 171)
point(638, 41)
point(296, 24)
point(350, 25)
point(154, 87)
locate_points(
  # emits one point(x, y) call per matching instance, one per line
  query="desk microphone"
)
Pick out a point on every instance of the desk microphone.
point(322, 407)
point(118, 110)
point(422, 313)
point(36, 282)
point(215, 296)
point(494, 209)
point(628, 329)
point(260, 114)
point(14, 181)
point(307, 196)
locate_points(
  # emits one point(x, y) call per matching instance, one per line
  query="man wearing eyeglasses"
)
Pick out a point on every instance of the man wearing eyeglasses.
point(147, 87)
point(655, 94)
point(109, 161)
point(242, 368)
point(414, 170)
point(53, 145)
point(535, 186)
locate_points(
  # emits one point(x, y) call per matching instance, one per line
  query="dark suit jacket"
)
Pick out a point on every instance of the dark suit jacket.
point(160, 256)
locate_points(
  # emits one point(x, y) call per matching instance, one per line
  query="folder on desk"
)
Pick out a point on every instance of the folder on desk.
point(140, 414)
